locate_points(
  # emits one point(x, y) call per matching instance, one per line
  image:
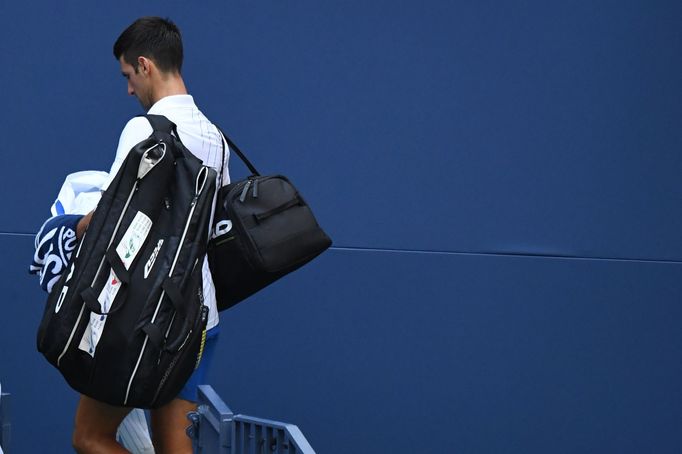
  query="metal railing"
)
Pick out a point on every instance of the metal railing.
point(5, 425)
point(217, 430)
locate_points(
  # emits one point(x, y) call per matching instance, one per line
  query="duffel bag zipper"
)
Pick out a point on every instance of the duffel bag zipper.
point(241, 189)
point(245, 191)
point(244, 187)
point(142, 172)
point(237, 223)
point(199, 187)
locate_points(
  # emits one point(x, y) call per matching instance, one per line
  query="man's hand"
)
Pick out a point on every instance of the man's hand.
point(83, 225)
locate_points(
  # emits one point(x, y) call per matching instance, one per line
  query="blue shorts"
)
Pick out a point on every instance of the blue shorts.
point(190, 391)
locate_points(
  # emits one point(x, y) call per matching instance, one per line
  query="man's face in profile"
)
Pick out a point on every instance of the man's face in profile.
point(139, 84)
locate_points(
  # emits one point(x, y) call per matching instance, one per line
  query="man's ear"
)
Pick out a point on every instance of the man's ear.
point(144, 64)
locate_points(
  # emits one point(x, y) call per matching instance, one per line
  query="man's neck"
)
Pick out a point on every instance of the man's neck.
point(169, 86)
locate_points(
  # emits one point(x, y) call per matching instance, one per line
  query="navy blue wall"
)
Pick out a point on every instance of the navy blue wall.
point(501, 180)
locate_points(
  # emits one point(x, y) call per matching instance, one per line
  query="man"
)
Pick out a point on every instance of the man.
point(150, 55)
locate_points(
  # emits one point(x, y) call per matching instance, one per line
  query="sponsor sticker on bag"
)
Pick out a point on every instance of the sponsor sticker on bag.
point(133, 239)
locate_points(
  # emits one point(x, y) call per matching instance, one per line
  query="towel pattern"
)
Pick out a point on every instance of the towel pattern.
point(54, 245)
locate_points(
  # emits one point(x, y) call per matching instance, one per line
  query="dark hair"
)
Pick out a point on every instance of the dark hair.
point(152, 37)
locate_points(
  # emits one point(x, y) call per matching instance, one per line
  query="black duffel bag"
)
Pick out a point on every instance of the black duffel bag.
point(263, 230)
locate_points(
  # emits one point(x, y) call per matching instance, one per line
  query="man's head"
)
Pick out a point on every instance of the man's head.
point(150, 53)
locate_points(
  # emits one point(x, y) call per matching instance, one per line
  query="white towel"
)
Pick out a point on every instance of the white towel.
point(80, 192)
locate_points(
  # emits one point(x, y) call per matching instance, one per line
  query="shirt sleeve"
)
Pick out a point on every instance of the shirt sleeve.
point(224, 159)
point(135, 131)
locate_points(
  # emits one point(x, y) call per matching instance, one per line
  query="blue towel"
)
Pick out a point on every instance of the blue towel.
point(54, 245)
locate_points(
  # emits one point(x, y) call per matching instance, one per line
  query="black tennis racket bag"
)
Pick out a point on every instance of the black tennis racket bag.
point(126, 322)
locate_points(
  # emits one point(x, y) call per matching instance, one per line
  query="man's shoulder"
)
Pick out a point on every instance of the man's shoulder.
point(136, 124)
point(138, 128)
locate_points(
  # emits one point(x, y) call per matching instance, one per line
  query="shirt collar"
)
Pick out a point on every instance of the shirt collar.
point(171, 101)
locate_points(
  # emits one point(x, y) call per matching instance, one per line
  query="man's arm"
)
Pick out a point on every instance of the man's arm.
point(83, 225)
point(136, 130)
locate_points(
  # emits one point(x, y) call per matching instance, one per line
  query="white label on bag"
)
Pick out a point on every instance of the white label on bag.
point(133, 240)
point(127, 249)
point(93, 331)
point(108, 294)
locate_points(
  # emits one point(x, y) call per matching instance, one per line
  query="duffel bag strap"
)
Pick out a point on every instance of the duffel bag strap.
point(236, 149)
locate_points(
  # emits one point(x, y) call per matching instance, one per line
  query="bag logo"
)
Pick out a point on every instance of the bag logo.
point(152, 258)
